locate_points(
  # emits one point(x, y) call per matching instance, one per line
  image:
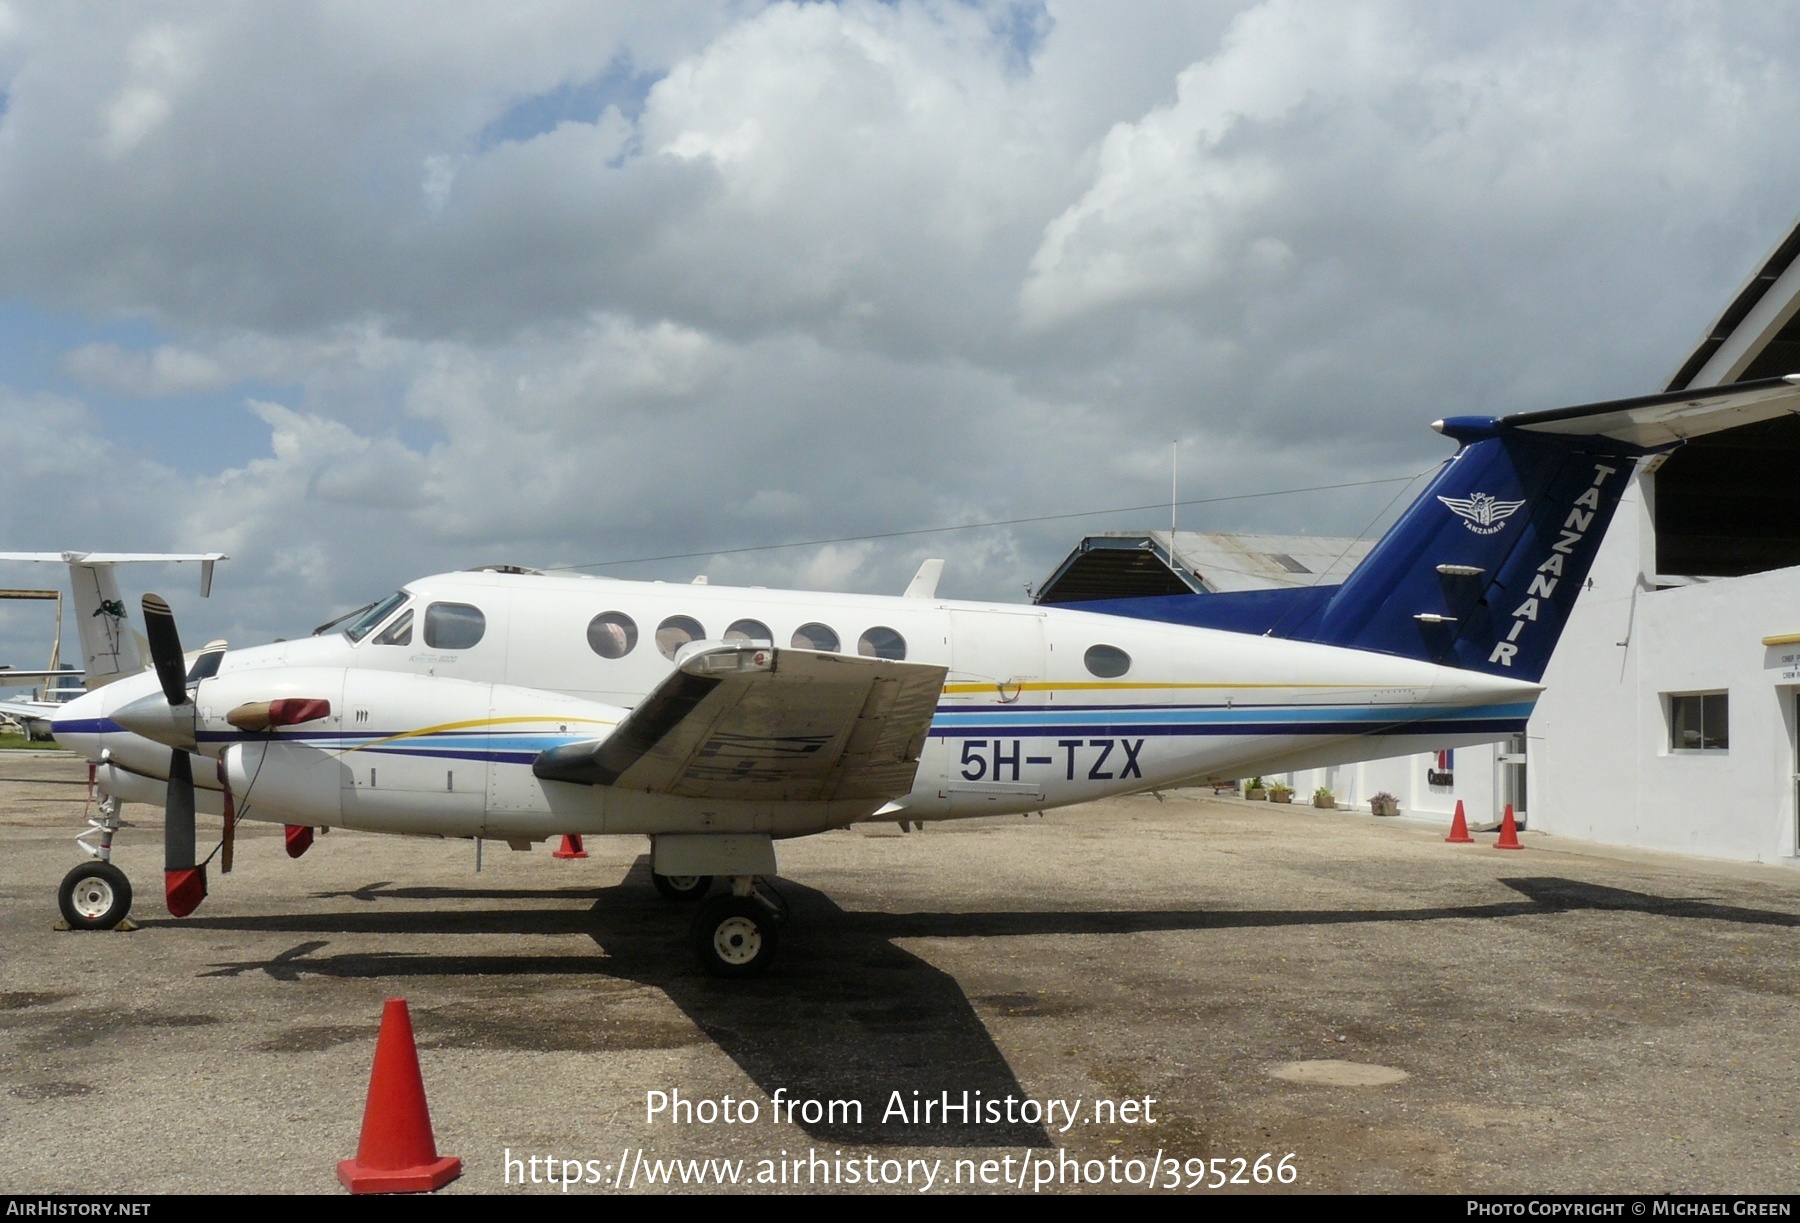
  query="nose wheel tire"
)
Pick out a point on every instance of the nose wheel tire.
point(735, 936)
point(94, 896)
point(682, 889)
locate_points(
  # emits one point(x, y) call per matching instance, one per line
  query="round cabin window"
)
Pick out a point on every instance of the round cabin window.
point(820, 637)
point(749, 632)
point(612, 634)
point(882, 642)
point(676, 632)
point(1106, 661)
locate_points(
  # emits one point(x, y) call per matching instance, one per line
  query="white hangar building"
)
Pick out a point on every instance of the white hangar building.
point(1671, 717)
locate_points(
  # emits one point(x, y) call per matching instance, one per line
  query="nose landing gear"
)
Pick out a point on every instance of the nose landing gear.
point(96, 895)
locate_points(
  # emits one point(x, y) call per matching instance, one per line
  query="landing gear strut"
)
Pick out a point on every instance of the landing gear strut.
point(735, 936)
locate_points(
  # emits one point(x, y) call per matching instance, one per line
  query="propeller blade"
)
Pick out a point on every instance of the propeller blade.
point(230, 820)
point(165, 649)
point(183, 881)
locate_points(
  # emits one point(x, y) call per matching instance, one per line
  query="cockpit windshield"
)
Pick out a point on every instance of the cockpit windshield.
point(359, 623)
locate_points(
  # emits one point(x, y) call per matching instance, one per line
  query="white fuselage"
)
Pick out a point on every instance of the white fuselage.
point(440, 739)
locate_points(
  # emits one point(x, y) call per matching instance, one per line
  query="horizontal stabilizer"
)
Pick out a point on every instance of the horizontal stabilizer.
point(757, 723)
point(1656, 421)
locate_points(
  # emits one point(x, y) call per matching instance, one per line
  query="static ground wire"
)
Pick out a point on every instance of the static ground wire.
point(999, 522)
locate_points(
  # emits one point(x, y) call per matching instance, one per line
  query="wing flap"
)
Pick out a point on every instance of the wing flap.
point(753, 722)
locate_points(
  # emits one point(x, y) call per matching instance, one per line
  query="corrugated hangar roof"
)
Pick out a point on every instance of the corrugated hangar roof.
point(1725, 503)
point(1129, 564)
point(1758, 335)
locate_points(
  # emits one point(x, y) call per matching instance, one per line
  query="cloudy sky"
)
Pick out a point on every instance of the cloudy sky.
point(359, 292)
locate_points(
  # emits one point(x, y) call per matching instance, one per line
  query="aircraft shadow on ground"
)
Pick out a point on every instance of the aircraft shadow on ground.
point(845, 1014)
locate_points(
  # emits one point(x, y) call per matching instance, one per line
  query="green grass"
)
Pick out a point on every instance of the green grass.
point(19, 743)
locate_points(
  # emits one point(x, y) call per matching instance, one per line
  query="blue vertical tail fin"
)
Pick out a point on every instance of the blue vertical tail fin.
point(1481, 572)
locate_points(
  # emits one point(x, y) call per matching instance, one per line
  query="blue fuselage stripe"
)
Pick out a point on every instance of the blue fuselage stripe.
point(958, 722)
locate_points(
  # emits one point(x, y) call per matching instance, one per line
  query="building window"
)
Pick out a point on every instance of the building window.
point(1699, 722)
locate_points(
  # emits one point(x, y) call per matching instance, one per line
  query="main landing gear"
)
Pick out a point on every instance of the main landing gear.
point(682, 889)
point(735, 936)
point(96, 895)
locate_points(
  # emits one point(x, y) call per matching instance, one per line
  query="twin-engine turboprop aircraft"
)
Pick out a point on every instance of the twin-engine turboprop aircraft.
point(519, 705)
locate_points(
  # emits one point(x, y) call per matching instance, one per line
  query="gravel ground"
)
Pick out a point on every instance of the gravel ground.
point(1395, 1013)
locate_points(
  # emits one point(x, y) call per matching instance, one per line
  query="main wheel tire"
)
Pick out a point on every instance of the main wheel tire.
point(682, 888)
point(94, 896)
point(735, 936)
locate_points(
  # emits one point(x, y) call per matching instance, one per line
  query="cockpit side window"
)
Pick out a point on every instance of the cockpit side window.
point(454, 626)
point(359, 628)
point(399, 632)
point(206, 665)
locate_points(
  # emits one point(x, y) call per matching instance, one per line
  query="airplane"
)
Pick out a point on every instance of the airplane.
point(33, 714)
point(511, 704)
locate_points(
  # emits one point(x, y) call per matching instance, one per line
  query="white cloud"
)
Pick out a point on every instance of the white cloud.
point(165, 370)
point(828, 270)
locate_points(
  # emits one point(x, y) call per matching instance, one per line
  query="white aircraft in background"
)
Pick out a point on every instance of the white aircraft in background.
point(518, 705)
point(33, 713)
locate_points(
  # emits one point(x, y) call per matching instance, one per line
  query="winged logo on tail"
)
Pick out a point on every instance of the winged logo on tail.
point(1482, 513)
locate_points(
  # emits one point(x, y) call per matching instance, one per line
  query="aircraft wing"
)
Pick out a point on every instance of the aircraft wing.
point(1654, 421)
point(29, 711)
point(754, 722)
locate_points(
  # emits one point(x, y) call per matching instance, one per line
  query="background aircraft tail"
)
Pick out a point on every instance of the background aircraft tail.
point(1481, 572)
point(110, 648)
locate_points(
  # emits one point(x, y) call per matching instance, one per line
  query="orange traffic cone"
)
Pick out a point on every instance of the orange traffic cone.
point(1459, 828)
point(397, 1153)
point(570, 848)
point(1509, 832)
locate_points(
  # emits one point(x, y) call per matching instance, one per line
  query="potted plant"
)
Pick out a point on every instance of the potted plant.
point(1256, 791)
point(1384, 804)
point(1279, 793)
point(1322, 799)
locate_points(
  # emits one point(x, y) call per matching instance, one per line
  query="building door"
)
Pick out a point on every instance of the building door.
point(1509, 767)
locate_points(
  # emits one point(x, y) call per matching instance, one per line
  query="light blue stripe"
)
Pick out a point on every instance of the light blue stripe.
point(1039, 715)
